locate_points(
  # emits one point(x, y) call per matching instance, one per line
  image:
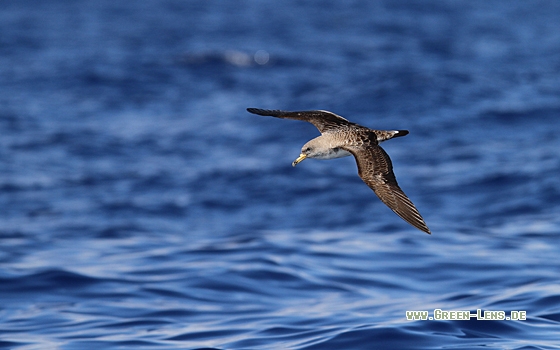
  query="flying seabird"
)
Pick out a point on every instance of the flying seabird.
point(341, 138)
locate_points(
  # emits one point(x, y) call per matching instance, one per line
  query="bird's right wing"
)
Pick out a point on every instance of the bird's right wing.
point(376, 170)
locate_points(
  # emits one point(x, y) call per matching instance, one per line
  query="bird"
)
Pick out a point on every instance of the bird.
point(341, 138)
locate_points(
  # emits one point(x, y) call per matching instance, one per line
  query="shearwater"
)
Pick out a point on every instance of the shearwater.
point(341, 138)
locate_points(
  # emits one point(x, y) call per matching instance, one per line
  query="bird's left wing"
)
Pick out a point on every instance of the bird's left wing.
point(323, 120)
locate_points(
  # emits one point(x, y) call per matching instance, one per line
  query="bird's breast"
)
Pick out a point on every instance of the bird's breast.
point(332, 153)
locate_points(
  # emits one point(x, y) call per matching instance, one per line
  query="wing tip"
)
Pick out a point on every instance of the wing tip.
point(425, 229)
point(266, 112)
point(254, 110)
point(416, 223)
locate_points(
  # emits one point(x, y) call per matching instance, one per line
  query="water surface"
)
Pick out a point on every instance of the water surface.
point(142, 207)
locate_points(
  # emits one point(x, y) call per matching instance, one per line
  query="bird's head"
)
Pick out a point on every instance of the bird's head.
point(309, 150)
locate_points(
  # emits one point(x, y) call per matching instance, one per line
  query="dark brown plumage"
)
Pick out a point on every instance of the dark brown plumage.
point(323, 120)
point(339, 138)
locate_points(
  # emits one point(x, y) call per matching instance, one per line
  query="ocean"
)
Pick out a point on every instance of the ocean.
point(142, 206)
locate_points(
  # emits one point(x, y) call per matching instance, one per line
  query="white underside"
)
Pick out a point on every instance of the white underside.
point(332, 154)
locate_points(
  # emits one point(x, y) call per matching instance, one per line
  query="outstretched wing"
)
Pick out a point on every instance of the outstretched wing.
point(376, 170)
point(323, 120)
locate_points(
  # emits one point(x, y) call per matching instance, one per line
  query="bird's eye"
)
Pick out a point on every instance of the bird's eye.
point(307, 149)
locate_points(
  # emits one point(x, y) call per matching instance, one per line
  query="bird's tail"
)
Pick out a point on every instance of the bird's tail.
point(384, 135)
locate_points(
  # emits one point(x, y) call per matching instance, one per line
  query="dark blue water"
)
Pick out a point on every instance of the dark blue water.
point(142, 207)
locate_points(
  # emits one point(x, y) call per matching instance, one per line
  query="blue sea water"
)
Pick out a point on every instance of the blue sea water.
point(141, 206)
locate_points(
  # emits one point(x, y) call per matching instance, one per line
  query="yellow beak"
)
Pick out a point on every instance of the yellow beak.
point(299, 159)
